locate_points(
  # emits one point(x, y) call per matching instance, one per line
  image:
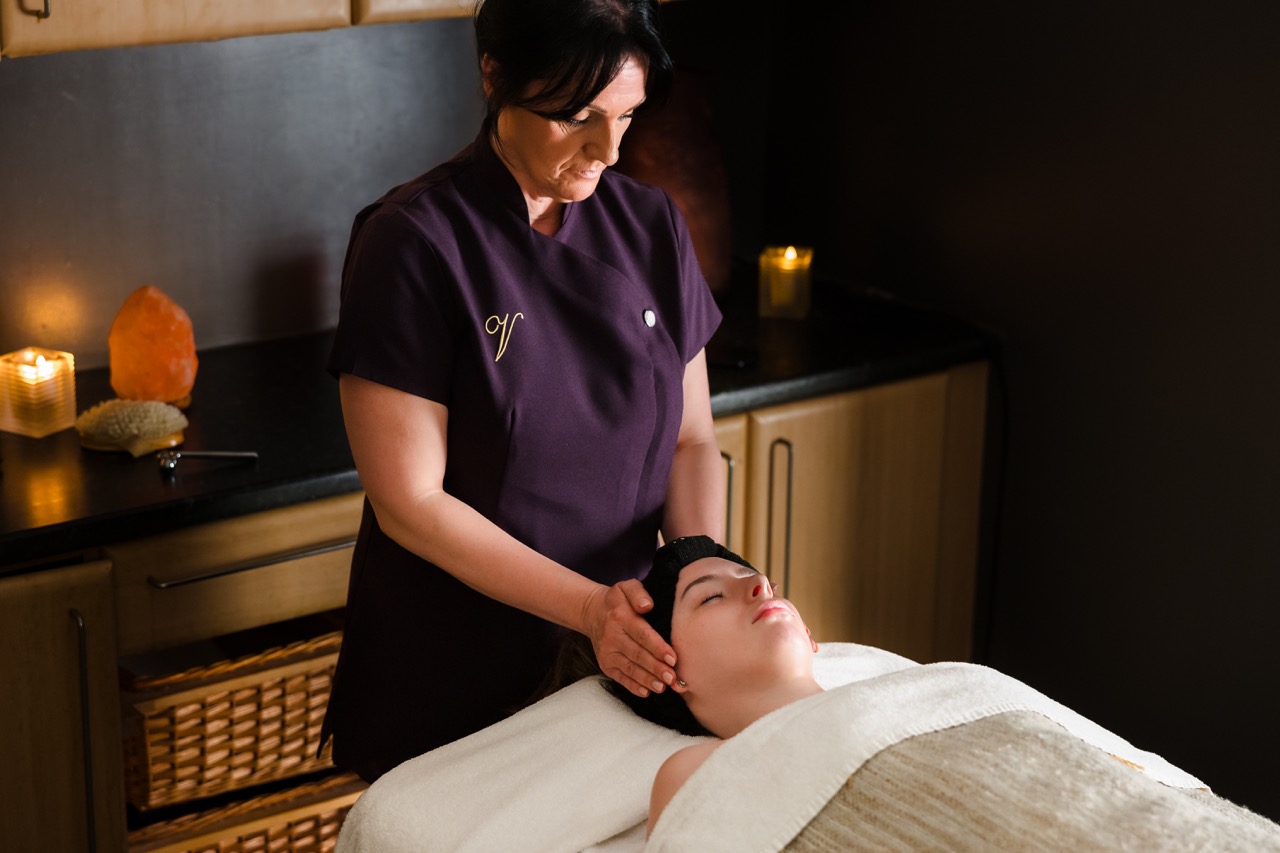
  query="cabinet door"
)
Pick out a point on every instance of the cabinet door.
point(731, 433)
point(863, 506)
point(60, 764)
point(116, 23)
point(383, 11)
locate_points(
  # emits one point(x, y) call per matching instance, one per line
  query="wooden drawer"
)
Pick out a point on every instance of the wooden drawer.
point(231, 575)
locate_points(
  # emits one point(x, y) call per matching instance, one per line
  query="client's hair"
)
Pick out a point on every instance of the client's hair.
point(668, 708)
point(577, 659)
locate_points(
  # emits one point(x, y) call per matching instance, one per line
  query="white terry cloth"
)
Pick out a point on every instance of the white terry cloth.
point(561, 775)
point(570, 773)
point(760, 788)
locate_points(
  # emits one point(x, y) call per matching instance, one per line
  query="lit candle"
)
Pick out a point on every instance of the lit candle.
point(37, 391)
point(784, 281)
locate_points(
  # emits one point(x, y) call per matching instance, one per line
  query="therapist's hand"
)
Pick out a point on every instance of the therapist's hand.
point(627, 648)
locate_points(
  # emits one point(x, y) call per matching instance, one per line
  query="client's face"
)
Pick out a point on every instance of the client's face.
point(728, 624)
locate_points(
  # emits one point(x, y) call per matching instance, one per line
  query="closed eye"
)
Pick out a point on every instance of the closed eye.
point(711, 596)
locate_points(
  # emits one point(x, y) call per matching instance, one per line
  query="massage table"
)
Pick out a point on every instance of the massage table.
point(894, 755)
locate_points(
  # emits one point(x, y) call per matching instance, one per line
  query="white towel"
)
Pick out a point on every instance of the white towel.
point(561, 775)
point(760, 788)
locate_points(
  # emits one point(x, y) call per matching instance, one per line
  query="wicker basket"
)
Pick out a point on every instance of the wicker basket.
point(302, 819)
point(228, 725)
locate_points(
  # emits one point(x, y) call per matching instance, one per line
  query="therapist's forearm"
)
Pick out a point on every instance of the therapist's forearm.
point(695, 492)
point(458, 539)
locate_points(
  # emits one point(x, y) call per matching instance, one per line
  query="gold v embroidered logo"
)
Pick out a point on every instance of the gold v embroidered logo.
point(502, 326)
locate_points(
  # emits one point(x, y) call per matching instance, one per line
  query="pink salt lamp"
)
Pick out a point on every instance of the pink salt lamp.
point(152, 349)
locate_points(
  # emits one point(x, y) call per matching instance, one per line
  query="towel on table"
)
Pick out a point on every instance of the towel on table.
point(568, 773)
point(809, 749)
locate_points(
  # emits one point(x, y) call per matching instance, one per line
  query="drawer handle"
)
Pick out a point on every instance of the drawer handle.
point(730, 464)
point(85, 730)
point(271, 560)
point(786, 550)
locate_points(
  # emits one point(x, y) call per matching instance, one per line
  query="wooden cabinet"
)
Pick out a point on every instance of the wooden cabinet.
point(231, 575)
point(30, 27)
point(864, 506)
point(65, 631)
point(731, 433)
point(385, 11)
point(60, 789)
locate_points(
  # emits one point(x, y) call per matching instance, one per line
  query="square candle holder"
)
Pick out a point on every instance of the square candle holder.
point(784, 281)
point(37, 392)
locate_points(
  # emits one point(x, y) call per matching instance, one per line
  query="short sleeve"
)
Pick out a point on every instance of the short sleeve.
point(395, 321)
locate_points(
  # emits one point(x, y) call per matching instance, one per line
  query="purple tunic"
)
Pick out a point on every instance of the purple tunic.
point(561, 362)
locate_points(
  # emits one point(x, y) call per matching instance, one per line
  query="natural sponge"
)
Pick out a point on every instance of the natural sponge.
point(138, 426)
point(152, 349)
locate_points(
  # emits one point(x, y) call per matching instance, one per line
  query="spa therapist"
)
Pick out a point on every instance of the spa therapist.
point(524, 388)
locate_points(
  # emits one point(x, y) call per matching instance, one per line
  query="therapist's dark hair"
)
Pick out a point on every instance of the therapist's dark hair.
point(668, 708)
point(553, 57)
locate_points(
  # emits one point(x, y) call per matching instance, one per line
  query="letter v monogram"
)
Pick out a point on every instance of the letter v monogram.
point(504, 324)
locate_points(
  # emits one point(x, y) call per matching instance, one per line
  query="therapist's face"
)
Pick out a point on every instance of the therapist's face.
point(729, 624)
point(562, 160)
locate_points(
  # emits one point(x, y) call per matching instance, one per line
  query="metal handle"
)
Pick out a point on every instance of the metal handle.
point(270, 560)
point(168, 459)
point(730, 464)
point(85, 729)
point(786, 552)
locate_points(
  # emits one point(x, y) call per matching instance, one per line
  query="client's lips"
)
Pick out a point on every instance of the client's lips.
point(769, 607)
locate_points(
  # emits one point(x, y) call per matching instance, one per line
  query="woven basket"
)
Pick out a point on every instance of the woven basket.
point(302, 819)
point(228, 725)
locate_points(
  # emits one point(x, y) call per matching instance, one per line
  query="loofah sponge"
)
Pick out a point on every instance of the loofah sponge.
point(137, 426)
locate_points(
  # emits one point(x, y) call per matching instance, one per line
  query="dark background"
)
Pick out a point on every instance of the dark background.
point(1096, 184)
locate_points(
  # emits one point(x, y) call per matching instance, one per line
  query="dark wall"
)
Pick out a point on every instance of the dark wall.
point(1099, 185)
point(224, 173)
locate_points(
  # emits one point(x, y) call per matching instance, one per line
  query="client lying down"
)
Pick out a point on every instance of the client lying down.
point(774, 745)
point(1022, 772)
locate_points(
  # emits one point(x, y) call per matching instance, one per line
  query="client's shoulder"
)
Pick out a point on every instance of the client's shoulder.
point(678, 767)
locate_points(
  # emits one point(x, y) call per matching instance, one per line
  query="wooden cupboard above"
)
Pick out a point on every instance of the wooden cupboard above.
point(386, 11)
point(29, 27)
point(389, 11)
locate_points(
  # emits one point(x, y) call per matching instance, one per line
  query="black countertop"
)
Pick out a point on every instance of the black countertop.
point(275, 398)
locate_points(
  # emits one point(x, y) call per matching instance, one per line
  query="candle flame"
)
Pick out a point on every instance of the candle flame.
point(37, 370)
point(790, 253)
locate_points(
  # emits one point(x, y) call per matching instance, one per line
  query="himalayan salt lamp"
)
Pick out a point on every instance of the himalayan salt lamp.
point(152, 349)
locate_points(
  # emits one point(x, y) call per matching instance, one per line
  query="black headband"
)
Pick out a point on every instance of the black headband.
point(668, 560)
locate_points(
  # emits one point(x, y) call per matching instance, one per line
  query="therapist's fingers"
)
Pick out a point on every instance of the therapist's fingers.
point(627, 648)
point(636, 595)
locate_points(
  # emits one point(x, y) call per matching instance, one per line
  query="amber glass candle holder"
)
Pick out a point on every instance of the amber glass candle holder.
point(37, 392)
point(784, 281)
